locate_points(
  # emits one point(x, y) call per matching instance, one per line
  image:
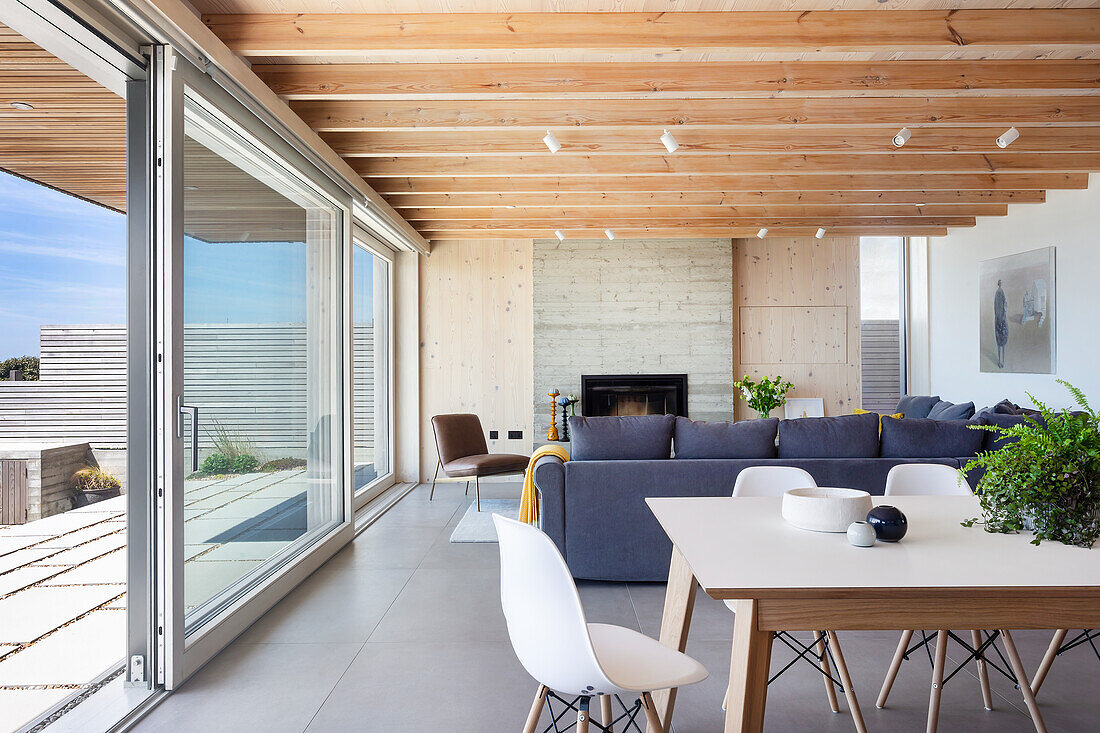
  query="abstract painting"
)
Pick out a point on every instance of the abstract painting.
point(1016, 313)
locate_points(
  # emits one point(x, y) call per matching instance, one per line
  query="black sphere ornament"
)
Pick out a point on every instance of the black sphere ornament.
point(889, 523)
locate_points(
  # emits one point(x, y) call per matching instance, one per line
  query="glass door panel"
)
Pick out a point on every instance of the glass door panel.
point(261, 364)
point(370, 324)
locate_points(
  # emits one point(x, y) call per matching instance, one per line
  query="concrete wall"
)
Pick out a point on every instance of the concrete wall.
point(633, 306)
point(1068, 221)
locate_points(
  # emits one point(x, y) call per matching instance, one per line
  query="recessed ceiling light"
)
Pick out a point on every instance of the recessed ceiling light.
point(762, 233)
point(609, 234)
point(669, 142)
point(560, 235)
point(551, 142)
point(1008, 137)
point(820, 233)
point(509, 206)
point(920, 204)
point(25, 106)
point(902, 137)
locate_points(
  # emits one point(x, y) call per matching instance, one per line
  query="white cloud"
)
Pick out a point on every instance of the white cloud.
point(85, 249)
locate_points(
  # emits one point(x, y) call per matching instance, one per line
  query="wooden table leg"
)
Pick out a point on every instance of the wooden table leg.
point(1048, 660)
point(937, 682)
point(749, 664)
point(1021, 677)
point(679, 604)
point(983, 672)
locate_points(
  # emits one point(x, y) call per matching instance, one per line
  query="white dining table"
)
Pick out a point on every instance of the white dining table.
point(942, 575)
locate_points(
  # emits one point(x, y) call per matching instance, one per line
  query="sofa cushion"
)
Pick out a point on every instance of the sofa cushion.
point(928, 438)
point(993, 440)
point(916, 405)
point(944, 410)
point(745, 439)
point(845, 436)
point(1005, 407)
point(634, 438)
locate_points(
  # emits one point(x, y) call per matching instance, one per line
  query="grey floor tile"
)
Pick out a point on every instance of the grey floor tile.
point(446, 605)
point(332, 605)
point(254, 687)
point(711, 619)
point(386, 546)
point(607, 603)
point(417, 687)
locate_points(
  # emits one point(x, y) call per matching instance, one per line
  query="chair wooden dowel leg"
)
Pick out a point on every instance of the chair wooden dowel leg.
point(606, 716)
point(983, 671)
point(1048, 660)
point(477, 491)
point(1025, 686)
point(536, 710)
point(651, 716)
point(937, 682)
point(434, 477)
point(830, 688)
point(895, 665)
point(846, 680)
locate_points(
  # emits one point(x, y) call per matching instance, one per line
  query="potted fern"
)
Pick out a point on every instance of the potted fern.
point(1048, 479)
point(765, 395)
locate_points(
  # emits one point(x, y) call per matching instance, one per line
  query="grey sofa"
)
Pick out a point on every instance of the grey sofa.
point(594, 509)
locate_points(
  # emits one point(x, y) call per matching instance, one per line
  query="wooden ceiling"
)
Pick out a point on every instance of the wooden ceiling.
point(784, 118)
point(75, 137)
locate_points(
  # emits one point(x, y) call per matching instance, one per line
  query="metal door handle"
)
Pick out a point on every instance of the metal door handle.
point(194, 413)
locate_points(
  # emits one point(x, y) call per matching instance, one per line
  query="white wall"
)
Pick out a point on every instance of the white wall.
point(1070, 222)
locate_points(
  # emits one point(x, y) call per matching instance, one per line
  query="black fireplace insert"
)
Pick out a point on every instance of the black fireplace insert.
point(633, 394)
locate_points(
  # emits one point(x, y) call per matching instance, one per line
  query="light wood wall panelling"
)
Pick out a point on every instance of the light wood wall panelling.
point(798, 316)
point(476, 340)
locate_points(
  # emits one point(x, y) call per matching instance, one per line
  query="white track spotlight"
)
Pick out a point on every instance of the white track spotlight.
point(820, 233)
point(1008, 137)
point(609, 234)
point(552, 142)
point(560, 235)
point(669, 142)
point(762, 233)
point(902, 137)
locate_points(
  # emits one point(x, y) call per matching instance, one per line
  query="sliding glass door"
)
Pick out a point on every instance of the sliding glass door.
point(254, 381)
point(371, 326)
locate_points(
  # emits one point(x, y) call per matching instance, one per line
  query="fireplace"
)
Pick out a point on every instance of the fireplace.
point(634, 394)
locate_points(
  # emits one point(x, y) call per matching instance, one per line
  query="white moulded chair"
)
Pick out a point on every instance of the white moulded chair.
point(568, 655)
point(932, 479)
point(775, 481)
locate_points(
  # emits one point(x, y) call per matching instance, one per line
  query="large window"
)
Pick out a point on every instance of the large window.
point(371, 328)
point(261, 363)
point(882, 328)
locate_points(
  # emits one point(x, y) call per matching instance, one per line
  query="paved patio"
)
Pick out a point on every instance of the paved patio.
point(63, 579)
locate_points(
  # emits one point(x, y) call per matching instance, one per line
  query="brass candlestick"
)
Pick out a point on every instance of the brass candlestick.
point(552, 433)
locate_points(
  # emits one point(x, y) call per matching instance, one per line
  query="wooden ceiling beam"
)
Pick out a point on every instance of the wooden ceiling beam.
point(581, 222)
point(367, 81)
point(895, 112)
point(707, 141)
point(690, 232)
point(807, 182)
point(548, 164)
point(319, 34)
point(672, 199)
point(700, 213)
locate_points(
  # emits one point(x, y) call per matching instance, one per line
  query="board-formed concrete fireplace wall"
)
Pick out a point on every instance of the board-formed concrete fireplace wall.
point(632, 306)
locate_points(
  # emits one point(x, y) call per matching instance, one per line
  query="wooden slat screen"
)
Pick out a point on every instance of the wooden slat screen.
point(881, 365)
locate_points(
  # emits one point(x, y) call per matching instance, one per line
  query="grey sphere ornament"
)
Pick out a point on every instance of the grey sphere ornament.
point(861, 534)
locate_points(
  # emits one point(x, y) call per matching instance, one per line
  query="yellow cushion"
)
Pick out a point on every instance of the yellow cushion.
point(897, 415)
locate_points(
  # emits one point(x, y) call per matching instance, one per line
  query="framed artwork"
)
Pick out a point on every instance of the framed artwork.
point(1016, 330)
point(803, 407)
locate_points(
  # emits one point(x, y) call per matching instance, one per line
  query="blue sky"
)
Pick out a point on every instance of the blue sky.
point(62, 260)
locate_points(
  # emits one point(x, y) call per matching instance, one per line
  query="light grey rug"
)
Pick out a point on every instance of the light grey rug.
point(478, 526)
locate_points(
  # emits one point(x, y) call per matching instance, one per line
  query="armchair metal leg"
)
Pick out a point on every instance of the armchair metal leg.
point(477, 492)
point(467, 489)
point(438, 465)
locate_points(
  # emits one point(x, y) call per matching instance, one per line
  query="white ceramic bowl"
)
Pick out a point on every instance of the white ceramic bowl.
point(824, 509)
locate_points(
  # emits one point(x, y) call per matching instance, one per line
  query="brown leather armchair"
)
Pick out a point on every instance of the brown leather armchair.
point(463, 453)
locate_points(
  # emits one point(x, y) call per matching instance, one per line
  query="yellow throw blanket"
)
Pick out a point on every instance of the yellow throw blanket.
point(529, 501)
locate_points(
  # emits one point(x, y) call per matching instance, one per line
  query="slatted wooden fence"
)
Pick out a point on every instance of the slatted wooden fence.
point(880, 364)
